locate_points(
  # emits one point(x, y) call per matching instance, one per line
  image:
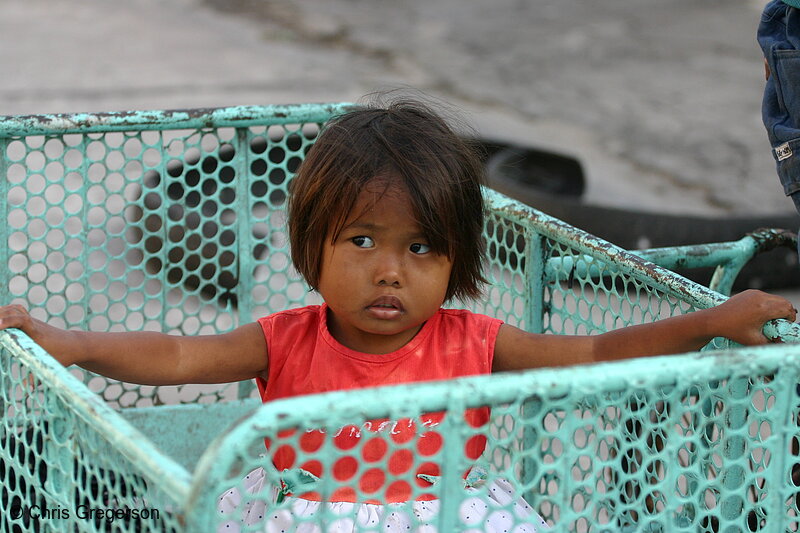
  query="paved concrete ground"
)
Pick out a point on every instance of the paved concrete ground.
point(659, 99)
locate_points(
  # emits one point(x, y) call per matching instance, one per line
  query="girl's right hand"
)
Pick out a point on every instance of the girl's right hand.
point(16, 316)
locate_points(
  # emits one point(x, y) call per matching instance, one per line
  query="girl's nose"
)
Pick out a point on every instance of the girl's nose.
point(388, 270)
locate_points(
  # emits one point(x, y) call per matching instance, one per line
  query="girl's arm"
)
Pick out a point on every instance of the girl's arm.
point(740, 319)
point(150, 358)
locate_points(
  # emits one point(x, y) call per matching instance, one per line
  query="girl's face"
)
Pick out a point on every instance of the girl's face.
point(379, 278)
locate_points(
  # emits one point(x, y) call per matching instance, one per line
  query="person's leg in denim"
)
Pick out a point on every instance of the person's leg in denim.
point(779, 38)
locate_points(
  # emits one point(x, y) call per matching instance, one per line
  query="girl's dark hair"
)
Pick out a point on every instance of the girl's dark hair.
point(411, 146)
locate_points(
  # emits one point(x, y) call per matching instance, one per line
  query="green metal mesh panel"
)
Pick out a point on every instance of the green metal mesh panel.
point(68, 462)
point(684, 443)
point(152, 230)
point(174, 221)
point(554, 283)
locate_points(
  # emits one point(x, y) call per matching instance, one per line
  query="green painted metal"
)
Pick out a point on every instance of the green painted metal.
point(727, 257)
point(159, 120)
point(190, 426)
point(669, 394)
point(52, 426)
point(175, 221)
point(4, 295)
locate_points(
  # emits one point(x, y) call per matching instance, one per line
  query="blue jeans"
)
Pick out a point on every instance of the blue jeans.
point(779, 38)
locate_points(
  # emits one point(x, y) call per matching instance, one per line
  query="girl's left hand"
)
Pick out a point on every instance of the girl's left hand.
point(742, 317)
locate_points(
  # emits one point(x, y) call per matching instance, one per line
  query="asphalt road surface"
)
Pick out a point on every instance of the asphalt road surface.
point(659, 100)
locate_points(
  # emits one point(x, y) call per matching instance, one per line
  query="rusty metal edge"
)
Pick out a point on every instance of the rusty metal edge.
point(212, 117)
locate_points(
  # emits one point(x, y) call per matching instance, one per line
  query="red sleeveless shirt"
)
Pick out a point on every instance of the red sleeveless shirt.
point(304, 358)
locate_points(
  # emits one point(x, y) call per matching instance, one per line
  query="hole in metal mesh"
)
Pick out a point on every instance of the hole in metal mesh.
point(258, 145)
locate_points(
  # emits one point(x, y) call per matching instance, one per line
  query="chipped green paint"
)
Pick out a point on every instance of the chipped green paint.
point(241, 116)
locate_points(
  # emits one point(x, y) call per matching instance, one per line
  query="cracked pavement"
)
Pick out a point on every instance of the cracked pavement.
point(659, 100)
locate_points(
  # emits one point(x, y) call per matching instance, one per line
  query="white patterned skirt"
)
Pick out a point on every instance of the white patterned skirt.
point(492, 508)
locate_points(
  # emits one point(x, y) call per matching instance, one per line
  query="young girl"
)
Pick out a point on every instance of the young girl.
point(385, 221)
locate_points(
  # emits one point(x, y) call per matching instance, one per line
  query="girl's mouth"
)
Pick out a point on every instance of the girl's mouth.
point(386, 308)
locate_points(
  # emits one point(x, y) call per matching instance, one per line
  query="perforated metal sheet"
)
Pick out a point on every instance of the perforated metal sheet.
point(174, 221)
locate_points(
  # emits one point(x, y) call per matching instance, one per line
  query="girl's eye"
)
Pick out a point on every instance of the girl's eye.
point(419, 248)
point(363, 242)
